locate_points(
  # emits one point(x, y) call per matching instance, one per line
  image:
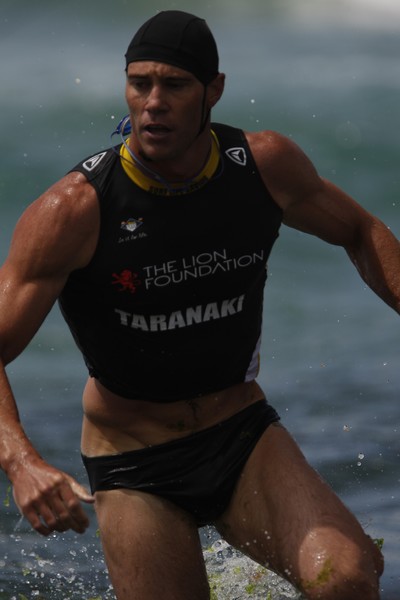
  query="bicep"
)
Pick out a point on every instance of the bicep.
point(24, 304)
point(55, 235)
point(309, 203)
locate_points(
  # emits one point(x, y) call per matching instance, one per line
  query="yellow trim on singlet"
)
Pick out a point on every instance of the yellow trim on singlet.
point(149, 184)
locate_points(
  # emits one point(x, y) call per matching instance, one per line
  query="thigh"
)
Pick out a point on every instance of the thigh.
point(285, 516)
point(152, 548)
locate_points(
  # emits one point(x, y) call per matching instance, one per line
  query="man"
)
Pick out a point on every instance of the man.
point(162, 289)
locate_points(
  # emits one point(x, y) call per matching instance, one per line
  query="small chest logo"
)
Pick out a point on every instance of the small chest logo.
point(130, 230)
point(126, 280)
point(131, 224)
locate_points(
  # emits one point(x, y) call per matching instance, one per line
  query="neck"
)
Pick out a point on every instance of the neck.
point(185, 165)
point(169, 181)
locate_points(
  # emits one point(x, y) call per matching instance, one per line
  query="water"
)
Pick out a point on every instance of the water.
point(326, 74)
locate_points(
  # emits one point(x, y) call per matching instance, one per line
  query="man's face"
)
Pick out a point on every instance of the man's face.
point(166, 109)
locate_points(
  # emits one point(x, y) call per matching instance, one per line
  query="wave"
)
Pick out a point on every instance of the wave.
point(369, 14)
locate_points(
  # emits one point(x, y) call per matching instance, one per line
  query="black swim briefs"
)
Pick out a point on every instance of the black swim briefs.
point(198, 472)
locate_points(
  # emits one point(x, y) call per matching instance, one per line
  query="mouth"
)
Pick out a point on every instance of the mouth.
point(156, 130)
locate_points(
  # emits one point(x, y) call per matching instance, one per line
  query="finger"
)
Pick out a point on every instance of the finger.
point(77, 518)
point(31, 513)
point(56, 514)
point(81, 492)
point(59, 511)
point(36, 522)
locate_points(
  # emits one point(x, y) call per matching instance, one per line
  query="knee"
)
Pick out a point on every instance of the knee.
point(352, 574)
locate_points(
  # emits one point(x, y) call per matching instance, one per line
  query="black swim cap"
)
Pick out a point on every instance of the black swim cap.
point(177, 38)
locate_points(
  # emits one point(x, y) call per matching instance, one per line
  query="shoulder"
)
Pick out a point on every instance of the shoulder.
point(309, 202)
point(285, 169)
point(272, 149)
point(62, 222)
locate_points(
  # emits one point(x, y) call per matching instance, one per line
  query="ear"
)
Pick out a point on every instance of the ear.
point(215, 90)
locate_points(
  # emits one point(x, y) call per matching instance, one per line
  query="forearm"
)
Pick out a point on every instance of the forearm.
point(376, 255)
point(15, 447)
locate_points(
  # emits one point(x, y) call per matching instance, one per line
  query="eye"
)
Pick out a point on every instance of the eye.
point(177, 83)
point(138, 83)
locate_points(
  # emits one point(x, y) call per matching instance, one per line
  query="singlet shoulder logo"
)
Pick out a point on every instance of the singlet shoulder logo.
point(92, 162)
point(238, 155)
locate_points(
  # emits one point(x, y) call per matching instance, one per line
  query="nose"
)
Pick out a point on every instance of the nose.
point(156, 101)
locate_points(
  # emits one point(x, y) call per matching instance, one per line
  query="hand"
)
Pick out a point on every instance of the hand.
point(49, 498)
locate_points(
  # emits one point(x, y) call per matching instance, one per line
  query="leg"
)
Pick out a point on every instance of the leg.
point(151, 547)
point(284, 516)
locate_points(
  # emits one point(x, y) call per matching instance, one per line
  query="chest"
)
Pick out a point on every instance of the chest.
point(212, 242)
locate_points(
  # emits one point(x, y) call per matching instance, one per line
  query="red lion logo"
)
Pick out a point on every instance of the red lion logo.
point(127, 280)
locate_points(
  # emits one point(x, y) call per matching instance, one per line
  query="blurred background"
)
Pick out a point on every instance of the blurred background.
point(326, 74)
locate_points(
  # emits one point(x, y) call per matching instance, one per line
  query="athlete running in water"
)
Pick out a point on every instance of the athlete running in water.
point(162, 287)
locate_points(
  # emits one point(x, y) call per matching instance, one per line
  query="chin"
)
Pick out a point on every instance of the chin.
point(155, 156)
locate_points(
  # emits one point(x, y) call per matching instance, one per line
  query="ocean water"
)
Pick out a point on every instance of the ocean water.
point(326, 74)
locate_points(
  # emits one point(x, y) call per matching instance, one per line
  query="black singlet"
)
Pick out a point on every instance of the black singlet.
point(170, 306)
